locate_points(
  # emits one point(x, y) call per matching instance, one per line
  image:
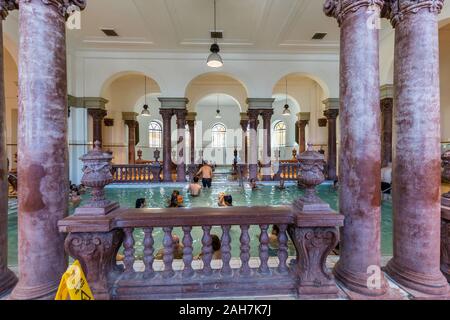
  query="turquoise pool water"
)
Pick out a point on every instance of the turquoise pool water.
point(157, 196)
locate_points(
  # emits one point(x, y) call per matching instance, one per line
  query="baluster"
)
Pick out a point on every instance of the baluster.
point(187, 252)
point(226, 251)
point(264, 249)
point(282, 249)
point(148, 252)
point(168, 252)
point(245, 250)
point(128, 245)
point(207, 250)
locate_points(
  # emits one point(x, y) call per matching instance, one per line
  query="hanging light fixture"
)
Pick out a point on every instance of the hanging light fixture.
point(214, 59)
point(286, 111)
point(218, 115)
point(145, 112)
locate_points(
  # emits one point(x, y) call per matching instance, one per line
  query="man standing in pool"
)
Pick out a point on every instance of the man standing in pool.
point(207, 174)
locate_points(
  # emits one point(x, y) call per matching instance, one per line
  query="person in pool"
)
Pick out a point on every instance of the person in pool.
point(177, 249)
point(216, 246)
point(141, 203)
point(281, 186)
point(225, 200)
point(253, 184)
point(195, 188)
point(176, 200)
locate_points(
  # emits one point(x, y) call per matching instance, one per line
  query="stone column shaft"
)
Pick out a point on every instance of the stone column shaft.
point(416, 163)
point(181, 157)
point(267, 147)
point(43, 150)
point(302, 134)
point(132, 124)
point(191, 124)
point(386, 131)
point(7, 277)
point(360, 150)
point(97, 123)
point(331, 115)
point(166, 115)
point(244, 126)
point(253, 147)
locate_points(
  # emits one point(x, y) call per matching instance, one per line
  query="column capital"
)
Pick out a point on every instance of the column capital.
point(173, 103)
point(129, 116)
point(253, 114)
point(260, 103)
point(131, 123)
point(166, 113)
point(331, 103)
point(267, 114)
point(302, 123)
point(65, 7)
point(397, 10)
point(331, 113)
point(304, 116)
point(244, 125)
point(87, 102)
point(6, 6)
point(191, 116)
point(97, 114)
point(244, 116)
point(339, 9)
point(181, 117)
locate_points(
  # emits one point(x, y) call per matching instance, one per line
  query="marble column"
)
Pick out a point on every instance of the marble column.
point(132, 125)
point(244, 126)
point(267, 147)
point(7, 277)
point(97, 120)
point(191, 125)
point(387, 104)
point(181, 143)
point(253, 144)
point(42, 147)
point(166, 115)
point(360, 149)
point(416, 163)
point(331, 115)
point(301, 124)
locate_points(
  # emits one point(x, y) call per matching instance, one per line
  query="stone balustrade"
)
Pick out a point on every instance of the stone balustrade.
point(95, 241)
point(137, 173)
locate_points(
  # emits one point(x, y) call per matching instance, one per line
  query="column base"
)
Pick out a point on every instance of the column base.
point(44, 292)
point(357, 282)
point(7, 281)
point(434, 284)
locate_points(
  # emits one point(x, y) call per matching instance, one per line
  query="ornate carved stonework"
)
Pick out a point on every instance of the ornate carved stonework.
point(398, 9)
point(65, 7)
point(445, 248)
point(322, 122)
point(313, 246)
point(97, 254)
point(96, 175)
point(340, 8)
point(311, 175)
point(6, 6)
point(331, 113)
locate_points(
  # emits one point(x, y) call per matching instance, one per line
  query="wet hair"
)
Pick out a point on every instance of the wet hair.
point(275, 229)
point(140, 202)
point(216, 245)
point(196, 179)
point(228, 200)
point(173, 201)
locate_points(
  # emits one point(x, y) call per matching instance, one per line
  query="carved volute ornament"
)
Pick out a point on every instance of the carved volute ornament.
point(446, 176)
point(311, 175)
point(339, 9)
point(397, 10)
point(96, 175)
point(6, 6)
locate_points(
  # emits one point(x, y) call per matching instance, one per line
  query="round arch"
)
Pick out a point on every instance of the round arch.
point(323, 85)
point(121, 74)
point(214, 94)
point(211, 83)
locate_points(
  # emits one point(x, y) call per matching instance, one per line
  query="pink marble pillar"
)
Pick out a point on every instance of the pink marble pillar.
point(331, 115)
point(42, 147)
point(166, 115)
point(387, 105)
point(97, 121)
point(191, 125)
point(360, 152)
point(7, 277)
point(253, 143)
point(181, 142)
point(244, 126)
point(132, 125)
point(416, 164)
point(267, 147)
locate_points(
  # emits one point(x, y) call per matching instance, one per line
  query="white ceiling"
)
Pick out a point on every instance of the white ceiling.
point(211, 100)
point(184, 25)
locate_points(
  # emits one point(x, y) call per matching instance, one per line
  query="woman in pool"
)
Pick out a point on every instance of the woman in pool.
point(141, 203)
point(176, 200)
point(253, 184)
point(225, 200)
point(216, 246)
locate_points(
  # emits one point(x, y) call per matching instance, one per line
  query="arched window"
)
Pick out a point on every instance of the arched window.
point(155, 134)
point(279, 132)
point(219, 136)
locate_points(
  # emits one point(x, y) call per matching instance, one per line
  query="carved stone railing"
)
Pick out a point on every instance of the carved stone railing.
point(445, 242)
point(287, 171)
point(95, 241)
point(136, 173)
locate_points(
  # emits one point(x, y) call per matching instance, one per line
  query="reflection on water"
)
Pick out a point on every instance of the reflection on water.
point(158, 197)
